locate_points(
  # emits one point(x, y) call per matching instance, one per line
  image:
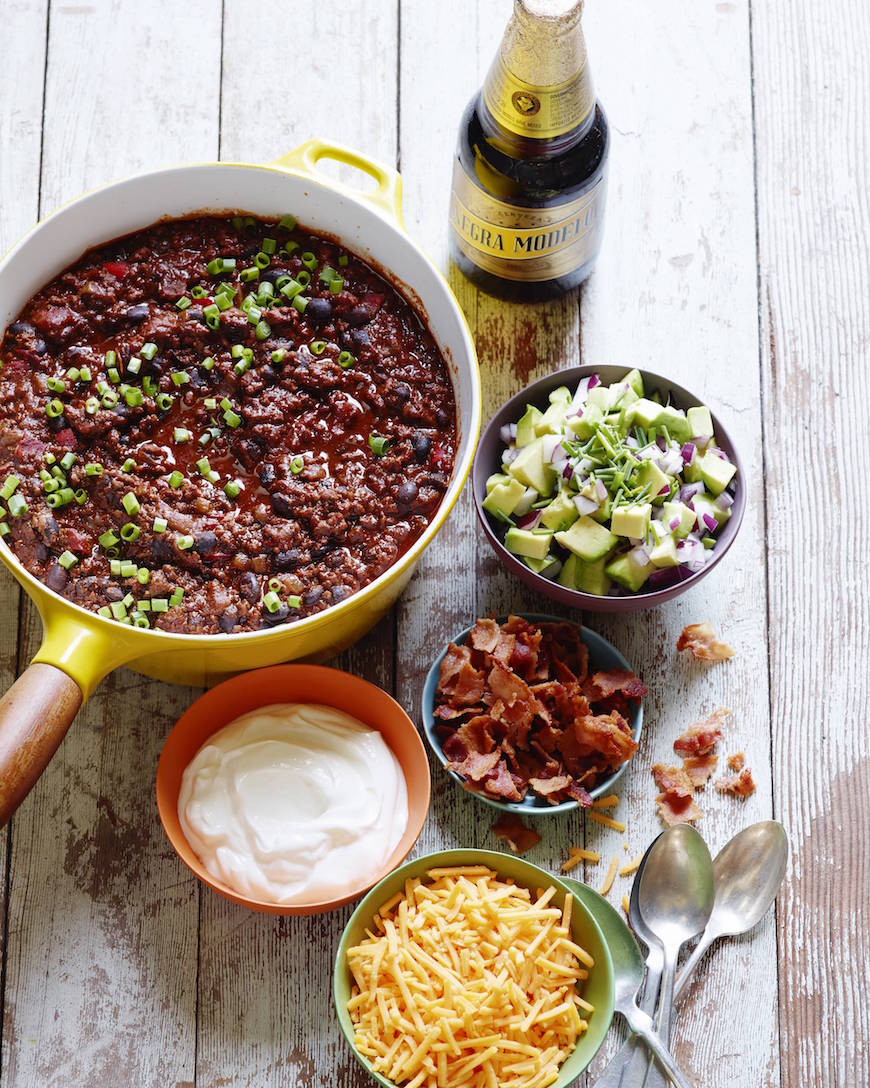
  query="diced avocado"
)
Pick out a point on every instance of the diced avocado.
point(675, 421)
point(664, 554)
point(700, 421)
point(549, 566)
point(569, 572)
point(621, 396)
point(528, 500)
point(592, 577)
point(601, 396)
point(561, 395)
point(604, 511)
point(703, 506)
point(552, 421)
point(496, 479)
point(529, 468)
point(628, 571)
point(644, 412)
point(588, 539)
point(692, 471)
point(560, 513)
point(635, 380)
point(683, 514)
point(650, 474)
point(526, 543)
point(526, 426)
point(584, 426)
point(631, 521)
point(503, 498)
point(650, 414)
point(715, 472)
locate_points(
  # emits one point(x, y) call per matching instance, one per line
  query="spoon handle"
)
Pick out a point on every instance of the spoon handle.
point(642, 1025)
point(685, 976)
point(631, 1057)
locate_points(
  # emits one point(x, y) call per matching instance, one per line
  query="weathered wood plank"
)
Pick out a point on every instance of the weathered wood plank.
point(812, 108)
point(675, 291)
point(265, 1015)
point(21, 86)
point(101, 963)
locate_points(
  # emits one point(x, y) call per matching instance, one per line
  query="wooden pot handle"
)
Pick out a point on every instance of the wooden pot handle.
point(35, 714)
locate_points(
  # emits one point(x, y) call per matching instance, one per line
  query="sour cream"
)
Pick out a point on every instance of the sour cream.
point(294, 803)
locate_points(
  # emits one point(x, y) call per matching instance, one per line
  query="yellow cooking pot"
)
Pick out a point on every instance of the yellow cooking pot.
point(79, 648)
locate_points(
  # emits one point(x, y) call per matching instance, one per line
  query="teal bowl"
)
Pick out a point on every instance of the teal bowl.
point(585, 931)
point(603, 655)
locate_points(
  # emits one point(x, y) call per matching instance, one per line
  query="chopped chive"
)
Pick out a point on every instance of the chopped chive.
point(287, 222)
point(130, 504)
point(183, 303)
point(53, 409)
point(378, 444)
point(130, 532)
point(176, 596)
point(183, 543)
point(345, 360)
point(108, 539)
point(67, 560)
point(232, 488)
point(297, 464)
point(272, 601)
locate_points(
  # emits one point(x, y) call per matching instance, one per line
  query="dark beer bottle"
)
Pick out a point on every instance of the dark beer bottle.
point(529, 178)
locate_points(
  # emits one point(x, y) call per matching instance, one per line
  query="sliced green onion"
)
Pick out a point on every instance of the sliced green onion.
point(53, 409)
point(179, 377)
point(183, 303)
point(317, 347)
point(68, 460)
point(134, 364)
point(301, 303)
point(50, 485)
point(49, 457)
point(223, 301)
point(74, 374)
point(105, 611)
point(109, 399)
point(335, 285)
point(237, 351)
point(269, 245)
point(263, 330)
point(210, 403)
point(56, 385)
point(182, 434)
point(272, 601)
point(144, 605)
point(278, 355)
point(110, 358)
point(115, 567)
point(262, 260)
point(212, 316)
point(291, 247)
point(127, 568)
point(93, 468)
point(159, 604)
point(203, 466)
point(198, 292)
point(287, 222)
point(113, 375)
point(303, 277)
point(309, 260)
point(128, 465)
point(176, 597)
point(160, 525)
point(133, 397)
point(342, 261)
point(231, 418)
point(142, 576)
point(207, 363)
point(265, 293)
point(378, 444)
point(9, 486)
point(81, 496)
point(57, 472)
point(119, 610)
point(293, 601)
point(163, 401)
point(249, 275)
point(297, 464)
point(139, 620)
point(85, 374)
point(184, 543)
point(232, 488)
point(108, 539)
point(92, 406)
point(130, 532)
point(17, 505)
point(242, 366)
point(275, 584)
point(130, 504)
point(345, 360)
point(221, 264)
point(254, 314)
point(148, 351)
point(149, 385)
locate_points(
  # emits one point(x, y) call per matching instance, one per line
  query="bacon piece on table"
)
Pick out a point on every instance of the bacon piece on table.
point(741, 784)
point(702, 737)
point(701, 642)
point(511, 829)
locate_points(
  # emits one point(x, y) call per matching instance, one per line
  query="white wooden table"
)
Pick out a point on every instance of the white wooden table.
point(736, 260)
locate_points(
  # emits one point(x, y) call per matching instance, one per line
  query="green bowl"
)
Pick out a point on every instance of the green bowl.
point(598, 989)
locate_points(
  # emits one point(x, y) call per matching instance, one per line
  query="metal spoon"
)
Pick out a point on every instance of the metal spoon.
point(631, 1057)
point(675, 899)
point(748, 872)
point(627, 976)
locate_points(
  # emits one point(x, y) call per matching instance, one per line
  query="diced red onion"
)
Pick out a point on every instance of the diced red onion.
point(581, 395)
point(548, 445)
point(724, 501)
point(687, 452)
point(673, 524)
point(585, 505)
point(594, 380)
point(666, 490)
point(568, 471)
point(508, 433)
point(689, 491)
point(709, 521)
point(701, 441)
point(720, 454)
point(559, 458)
point(639, 554)
point(601, 490)
point(553, 571)
point(667, 576)
point(509, 455)
point(691, 553)
point(661, 443)
point(530, 520)
point(671, 462)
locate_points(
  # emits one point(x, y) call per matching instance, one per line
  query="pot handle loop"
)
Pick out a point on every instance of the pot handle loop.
point(387, 196)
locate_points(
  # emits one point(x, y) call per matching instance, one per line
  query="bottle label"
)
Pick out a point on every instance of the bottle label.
point(537, 112)
point(527, 244)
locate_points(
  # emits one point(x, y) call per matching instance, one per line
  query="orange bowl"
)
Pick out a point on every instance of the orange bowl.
point(292, 684)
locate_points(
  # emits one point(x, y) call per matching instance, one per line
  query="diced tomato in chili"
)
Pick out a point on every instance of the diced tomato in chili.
point(119, 269)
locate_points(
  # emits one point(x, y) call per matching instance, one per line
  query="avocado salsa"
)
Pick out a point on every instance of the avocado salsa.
point(610, 489)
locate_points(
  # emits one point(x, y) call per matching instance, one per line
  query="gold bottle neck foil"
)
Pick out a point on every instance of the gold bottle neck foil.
point(539, 86)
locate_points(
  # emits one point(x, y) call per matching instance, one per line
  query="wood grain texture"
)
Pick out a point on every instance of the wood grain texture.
point(265, 1015)
point(101, 957)
point(675, 291)
point(812, 106)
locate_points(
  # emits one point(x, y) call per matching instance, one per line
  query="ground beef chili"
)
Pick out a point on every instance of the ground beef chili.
point(219, 424)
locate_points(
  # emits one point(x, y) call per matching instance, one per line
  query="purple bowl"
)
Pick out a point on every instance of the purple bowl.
point(487, 460)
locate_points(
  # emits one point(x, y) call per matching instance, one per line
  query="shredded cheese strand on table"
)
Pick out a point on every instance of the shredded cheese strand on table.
point(469, 981)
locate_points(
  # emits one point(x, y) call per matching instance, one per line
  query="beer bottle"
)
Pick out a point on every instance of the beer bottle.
point(529, 177)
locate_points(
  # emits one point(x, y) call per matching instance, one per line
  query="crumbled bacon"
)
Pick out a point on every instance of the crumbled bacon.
point(702, 737)
point(522, 692)
point(701, 642)
point(736, 762)
point(700, 768)
point(741, 784)
point(675, 802)
point(511, 829)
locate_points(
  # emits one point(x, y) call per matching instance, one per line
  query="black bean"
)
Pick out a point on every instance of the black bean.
point(205, 543)
point(113, 593)
point(288, 560)
point(162, 549)
point(57, 423)
point(407, 492)
point(56, 578)
point(312, 596)
point(422, 446)
point(281, 505)
point(228, 619)
point(137, 313)
point(249, 452)
point(39, 347)
point(269, 275)
point(193, 313)
point(318, 309)
point(442, 418)
point(272, 619)
point(266, 473)
point(402, 392)
point(249, 587)
point(17, 328)
point(340, 592)
point(359, 315)
point(266, 374)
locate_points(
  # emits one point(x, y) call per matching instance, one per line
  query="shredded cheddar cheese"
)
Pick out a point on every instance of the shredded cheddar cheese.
point(470, 982)
point(577, 854)
point(611, 875)
point(625, 904)
point(631, 866)
point(610, 801)
point(606, 820)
